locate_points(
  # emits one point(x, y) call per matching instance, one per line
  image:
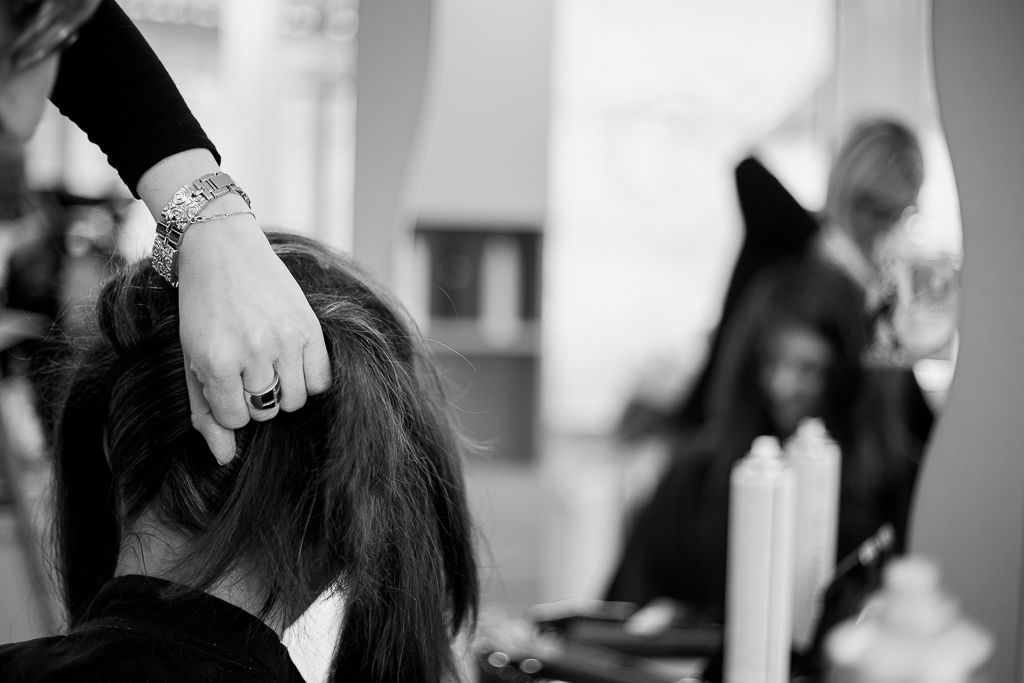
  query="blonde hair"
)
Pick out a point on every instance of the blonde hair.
point(881, 158)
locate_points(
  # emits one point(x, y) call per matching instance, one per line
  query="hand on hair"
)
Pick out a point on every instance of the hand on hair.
point(243, 318)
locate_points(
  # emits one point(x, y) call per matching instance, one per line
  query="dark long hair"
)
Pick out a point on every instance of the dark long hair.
point(359, 491)
point(804, 294)
point(679, 545)
point(860, 410)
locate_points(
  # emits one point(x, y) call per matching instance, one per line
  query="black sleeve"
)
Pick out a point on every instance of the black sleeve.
point(677, 547)
point(113, 86)
point(776, 229)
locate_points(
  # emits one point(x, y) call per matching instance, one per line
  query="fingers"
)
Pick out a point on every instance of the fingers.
point(293, 386)
point(223, 392)
point(220, 439)
point(302, 374)
point(257, 380)
point(301, 365)
point(316, 365)
point(242, 318)
point(302, 369)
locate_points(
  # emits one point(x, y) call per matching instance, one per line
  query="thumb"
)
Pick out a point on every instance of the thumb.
point(221, 440)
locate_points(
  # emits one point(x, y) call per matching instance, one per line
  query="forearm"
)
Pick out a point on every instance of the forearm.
point(113, 86)
point(158, 184)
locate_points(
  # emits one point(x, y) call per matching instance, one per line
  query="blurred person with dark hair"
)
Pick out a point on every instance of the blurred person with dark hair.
point(792, 350)
point(54, 278)
point(244, 321)
point(874, 180)
point(79, 229)
point(175, 568)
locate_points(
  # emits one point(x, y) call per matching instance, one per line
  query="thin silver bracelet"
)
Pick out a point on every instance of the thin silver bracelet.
point(182, 211)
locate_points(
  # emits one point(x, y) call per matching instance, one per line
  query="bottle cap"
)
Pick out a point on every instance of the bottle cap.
point(765, 448)
point(813, 427)
point(911, 575)
point(915, 603)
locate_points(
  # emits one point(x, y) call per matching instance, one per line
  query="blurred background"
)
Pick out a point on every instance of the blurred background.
point(546, 184)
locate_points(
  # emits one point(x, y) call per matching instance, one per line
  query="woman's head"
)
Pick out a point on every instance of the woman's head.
point(795, 363)
point(875, 178)
point(32, 35)
point(792, 351)
point(359, 491)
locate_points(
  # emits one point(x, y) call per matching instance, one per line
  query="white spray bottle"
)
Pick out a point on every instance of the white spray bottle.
point(759, 588)
point(817, 461)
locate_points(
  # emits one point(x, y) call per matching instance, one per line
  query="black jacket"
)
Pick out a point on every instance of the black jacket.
point(777, 229)
point(131, 634)
point(113, 86)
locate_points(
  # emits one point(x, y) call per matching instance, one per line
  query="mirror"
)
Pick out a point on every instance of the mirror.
point(652, 107)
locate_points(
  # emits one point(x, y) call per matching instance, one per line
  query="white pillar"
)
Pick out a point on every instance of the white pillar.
point(250, 66)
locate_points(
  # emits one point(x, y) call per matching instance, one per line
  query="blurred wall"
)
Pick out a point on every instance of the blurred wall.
point(467, 262)
point(480, 195)
point(485, 129)
point(970, 508)
point(393, 48)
